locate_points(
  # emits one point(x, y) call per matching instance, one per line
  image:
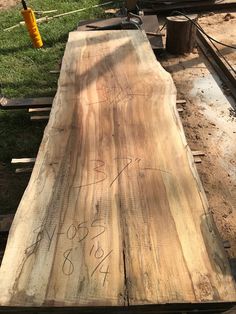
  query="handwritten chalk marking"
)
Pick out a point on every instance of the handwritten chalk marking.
point(66, 255)
point(104, 258)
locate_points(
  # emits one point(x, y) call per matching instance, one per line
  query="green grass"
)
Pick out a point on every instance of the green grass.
point(24, 72)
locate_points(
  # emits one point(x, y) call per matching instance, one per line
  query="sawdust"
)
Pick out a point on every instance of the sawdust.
point(210, 125)
point(222, 26)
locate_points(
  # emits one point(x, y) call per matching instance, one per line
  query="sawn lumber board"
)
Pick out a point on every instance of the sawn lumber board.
point(114, 213)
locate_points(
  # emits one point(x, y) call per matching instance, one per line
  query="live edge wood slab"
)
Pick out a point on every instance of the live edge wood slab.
point(114, 213)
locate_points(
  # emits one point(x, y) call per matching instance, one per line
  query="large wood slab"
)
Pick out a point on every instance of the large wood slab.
point(114, 213)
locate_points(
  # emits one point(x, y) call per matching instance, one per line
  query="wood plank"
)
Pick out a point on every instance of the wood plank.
point(39, 118)
point(33, 110)
point(114, 213)
point(181, 101)
point(206, 308)
point(24, 170)
point(22, 160)
point(198, 153)
point(25, 103)
point(197, 160)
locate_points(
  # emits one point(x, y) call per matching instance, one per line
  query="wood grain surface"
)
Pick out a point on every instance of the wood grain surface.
point(114, 213)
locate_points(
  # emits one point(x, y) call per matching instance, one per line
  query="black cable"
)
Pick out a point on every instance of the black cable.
point(211, 39)
point(24, 4)
point(202, 30)
point(219, 52)
point(164, 25)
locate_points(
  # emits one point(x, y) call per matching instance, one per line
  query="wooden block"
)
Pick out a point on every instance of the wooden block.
point(23, 160)
point(227, 244)
point(181, 34)
point(114, 214)
point(19, 103)
point(35, 110)
point(24, 170)
point(197, 159)
point(39, 118)
point(198, 153)
point(180, 101)
point(54, 72)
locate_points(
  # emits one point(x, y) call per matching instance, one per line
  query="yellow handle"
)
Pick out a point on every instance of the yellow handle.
point(31, 24)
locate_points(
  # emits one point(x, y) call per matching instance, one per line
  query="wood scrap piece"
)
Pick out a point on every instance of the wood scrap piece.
point(39, 118)
point(18, 103)
point(36, 110)
point(54, 71)
point(154, 34)
point(115, 211)
point(197, 159)
point(23, 160)
point(198, 153)
point(45, 12)
point(181, 101)
point(24, 170)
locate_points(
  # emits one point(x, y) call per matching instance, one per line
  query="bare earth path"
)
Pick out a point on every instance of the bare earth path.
point(5, 4)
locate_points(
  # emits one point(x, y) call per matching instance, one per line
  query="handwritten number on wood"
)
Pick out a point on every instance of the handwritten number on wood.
point(95, 225)
point(33, 247)
point(120, 172)
point(105, 273)
point(104, 258)
point(71, 232)
point(67, 267)
point(99, 253)
point(86, 230)
point(96, 169)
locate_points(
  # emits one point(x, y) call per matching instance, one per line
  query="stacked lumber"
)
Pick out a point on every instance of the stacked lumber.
point(114, 213)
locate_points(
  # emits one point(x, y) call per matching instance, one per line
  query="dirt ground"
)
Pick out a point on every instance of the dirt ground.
point(210, 123)
point(5, 4)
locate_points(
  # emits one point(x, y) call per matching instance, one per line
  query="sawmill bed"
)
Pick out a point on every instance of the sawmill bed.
point(204, 308)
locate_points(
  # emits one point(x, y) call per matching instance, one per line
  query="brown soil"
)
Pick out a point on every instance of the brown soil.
point(6, 4)
point(210, 123)
point(222, 26)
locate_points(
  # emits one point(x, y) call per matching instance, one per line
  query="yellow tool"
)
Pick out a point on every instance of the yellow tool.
point(31, 24)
